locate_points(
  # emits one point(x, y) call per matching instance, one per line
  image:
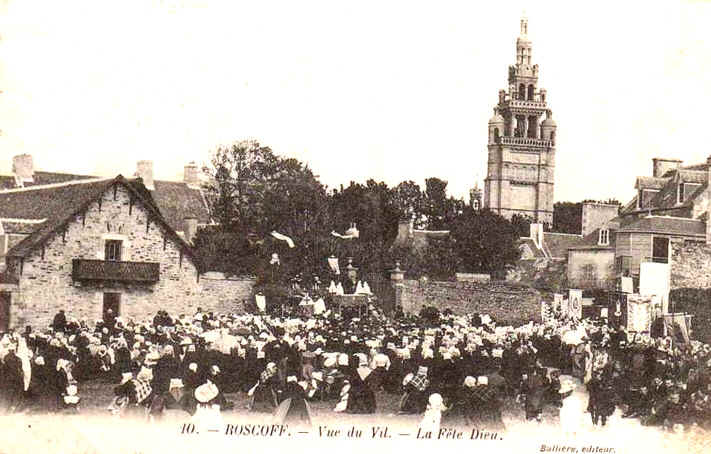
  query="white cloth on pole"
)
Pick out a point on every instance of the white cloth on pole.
point(343, 237)
point(282, 237)
point(339, 289)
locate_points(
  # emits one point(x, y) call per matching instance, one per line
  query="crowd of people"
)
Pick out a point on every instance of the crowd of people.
point(458, 369)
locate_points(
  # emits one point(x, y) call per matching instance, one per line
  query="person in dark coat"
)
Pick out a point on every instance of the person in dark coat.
point(166, 369)
point(264, 393)
point(59, 323)
point(13, 379)
point(122, 357)
point(534, 388)
point(40, 393)
point(361, 398)
point(601, 403)
point(416, 392)
point(294, 409)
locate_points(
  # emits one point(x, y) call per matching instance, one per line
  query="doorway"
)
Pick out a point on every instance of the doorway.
point(660, 249)
point(112, 302)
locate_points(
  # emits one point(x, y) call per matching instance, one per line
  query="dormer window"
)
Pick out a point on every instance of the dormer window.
point(680, 193)
point(604, 238)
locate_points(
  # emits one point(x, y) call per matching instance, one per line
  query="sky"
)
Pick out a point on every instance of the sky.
point(390, 90)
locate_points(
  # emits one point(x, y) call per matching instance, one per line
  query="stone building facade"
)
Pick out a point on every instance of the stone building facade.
point(521, 149)
point(108, 247)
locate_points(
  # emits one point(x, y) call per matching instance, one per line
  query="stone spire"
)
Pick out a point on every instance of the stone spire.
point(524, 25)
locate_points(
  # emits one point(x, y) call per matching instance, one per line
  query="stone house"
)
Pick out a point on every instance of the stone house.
point(666, 222)
point(87, 245)
point(24, 197)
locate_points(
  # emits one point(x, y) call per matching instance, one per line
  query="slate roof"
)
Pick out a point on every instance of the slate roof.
point(175, 200)
point(41, 178)
point(667, 225)
point(650, 183)
point(46, 203)
point(557, 244)
point(73, 199)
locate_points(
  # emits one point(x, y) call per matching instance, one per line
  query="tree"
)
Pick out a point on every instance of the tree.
point(237, 183)
point(567, 217)
point(486, 242)
point(253, 192)
point(407, 201)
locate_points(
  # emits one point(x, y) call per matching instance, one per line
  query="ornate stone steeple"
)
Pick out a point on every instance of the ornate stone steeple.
point(520, 173)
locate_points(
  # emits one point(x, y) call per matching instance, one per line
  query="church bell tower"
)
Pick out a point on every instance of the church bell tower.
point(521, 162)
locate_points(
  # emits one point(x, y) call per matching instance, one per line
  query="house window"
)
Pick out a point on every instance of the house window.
point(660, 249)
point(112, 250)
point(624, 263)
point(604, 239)
point(681, 193)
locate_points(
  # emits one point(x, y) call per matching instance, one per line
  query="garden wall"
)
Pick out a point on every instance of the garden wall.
point(507, 303)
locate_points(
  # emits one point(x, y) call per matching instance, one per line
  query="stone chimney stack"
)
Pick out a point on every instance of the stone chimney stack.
point(190, 229)
point(144, 170)
point(708, 190)
point(23, 168)
point(191, 176)
point(660, 166)
point(537, 234)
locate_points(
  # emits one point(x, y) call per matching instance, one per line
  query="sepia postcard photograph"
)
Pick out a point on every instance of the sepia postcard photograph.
point(339, 226)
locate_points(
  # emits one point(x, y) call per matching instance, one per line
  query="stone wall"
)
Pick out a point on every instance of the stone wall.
point(690, 265)
point(46, 283)
point(506, 303)
point(222, 294)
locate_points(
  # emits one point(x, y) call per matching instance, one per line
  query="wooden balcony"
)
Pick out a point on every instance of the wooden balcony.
point(105, 270)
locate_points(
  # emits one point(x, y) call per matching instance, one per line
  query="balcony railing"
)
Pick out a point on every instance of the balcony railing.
point(105, 270)
point(527, 103)
point(524, 141)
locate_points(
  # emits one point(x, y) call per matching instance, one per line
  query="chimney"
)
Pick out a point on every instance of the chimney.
point(537, 234)
point(660, 166)
point(191, 175)
point(708, 192)
point(190, 229)
point(23, 168)
point(596, 215)
point(144, 170)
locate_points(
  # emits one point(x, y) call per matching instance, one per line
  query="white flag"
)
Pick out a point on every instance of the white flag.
point(345, 237)
point(281, 237)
